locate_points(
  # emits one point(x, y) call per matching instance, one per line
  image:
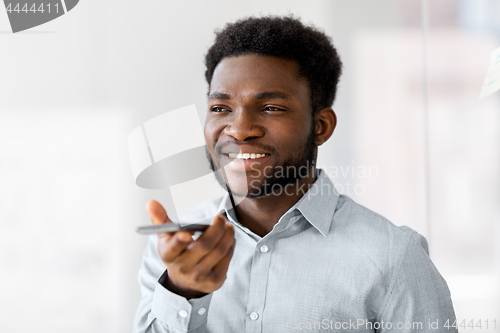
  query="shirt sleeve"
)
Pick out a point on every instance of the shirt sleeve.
point(160, 310)
point(419, 299)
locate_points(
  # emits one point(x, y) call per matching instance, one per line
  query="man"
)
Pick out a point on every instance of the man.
point(293, 255)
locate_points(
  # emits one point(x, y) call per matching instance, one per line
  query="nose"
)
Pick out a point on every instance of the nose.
point(243, 126)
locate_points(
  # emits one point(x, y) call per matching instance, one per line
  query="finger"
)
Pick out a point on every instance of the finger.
point(158, 216)
point(208, 262)
point(205, 243)
point(219, 272)
point(157, 213)
point(170, 249)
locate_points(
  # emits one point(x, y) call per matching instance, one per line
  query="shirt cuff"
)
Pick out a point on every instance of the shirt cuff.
point(177, 312)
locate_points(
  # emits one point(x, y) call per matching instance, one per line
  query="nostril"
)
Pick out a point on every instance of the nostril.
point(243, 133)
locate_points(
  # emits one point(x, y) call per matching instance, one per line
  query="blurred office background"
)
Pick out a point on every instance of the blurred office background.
point(413, 142)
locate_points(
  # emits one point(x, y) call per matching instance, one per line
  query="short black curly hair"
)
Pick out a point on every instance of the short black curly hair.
point(283, 37)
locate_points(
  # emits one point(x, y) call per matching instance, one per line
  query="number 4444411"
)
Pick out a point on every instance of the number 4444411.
point(33, 9)
point(472, 324)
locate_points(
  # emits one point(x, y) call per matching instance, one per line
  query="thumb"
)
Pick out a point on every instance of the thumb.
point(157, 213)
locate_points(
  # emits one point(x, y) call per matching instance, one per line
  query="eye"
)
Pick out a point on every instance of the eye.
point(273, 108)
point(219, 109)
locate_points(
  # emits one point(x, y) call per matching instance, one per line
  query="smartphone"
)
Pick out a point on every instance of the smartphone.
point(171, 227)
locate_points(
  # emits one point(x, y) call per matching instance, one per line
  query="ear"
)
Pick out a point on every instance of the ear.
point(326, 121)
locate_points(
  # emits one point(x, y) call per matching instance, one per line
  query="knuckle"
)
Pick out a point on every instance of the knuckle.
point(183, 270)
point(220, 250)
point(204, 245)
point(166, 258)
point(166, 245)
point(217, 278)
point(196, 276)
point(167, 255)
point(211, 280)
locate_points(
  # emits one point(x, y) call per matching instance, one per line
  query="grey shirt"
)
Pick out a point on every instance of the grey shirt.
point(329, 264)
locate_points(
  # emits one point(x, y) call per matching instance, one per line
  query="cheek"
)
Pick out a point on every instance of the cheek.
point(208, 137)
point(211, 131)
point(293, 135)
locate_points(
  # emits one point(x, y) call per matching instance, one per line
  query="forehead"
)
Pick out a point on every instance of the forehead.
point(258, 73)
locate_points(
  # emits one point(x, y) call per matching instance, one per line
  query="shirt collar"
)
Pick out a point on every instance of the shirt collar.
point(317, 205)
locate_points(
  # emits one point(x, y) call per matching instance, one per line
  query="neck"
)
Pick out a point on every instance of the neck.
point(262, 213)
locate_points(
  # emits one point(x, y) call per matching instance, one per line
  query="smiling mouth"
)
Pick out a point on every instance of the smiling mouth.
point(246, 156)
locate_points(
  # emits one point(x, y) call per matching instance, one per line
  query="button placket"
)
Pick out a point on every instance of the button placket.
point(259, 276)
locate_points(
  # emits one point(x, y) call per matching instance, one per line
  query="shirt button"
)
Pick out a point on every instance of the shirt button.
point(264, 249)
point(254, 316)
point(183, 314)
point(202, 311)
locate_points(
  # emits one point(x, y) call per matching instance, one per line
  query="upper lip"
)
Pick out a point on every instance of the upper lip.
point(236, 149)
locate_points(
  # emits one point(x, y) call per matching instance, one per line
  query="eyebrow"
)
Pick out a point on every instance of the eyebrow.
point(262, 95)
point(218, 95)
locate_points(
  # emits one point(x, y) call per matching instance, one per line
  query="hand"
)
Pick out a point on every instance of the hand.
point(195, 268)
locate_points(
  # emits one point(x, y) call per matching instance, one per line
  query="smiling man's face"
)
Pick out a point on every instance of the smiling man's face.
point(259, 120)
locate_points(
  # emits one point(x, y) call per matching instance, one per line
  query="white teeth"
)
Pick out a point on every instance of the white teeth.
point(246, 156)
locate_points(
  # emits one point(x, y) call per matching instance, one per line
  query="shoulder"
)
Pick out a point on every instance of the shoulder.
point(396, 259)
point(374, 234)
